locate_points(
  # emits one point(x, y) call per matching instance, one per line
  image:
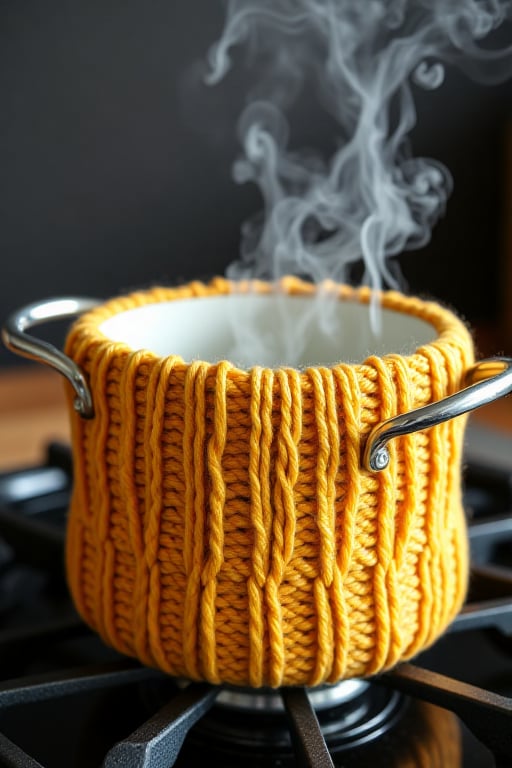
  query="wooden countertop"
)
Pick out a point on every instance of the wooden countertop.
point(33, 411)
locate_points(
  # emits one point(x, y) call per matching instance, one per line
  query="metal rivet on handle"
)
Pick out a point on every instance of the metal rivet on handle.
point(488, 380)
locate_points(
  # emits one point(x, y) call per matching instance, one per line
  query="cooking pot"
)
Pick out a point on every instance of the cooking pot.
point(272, 524)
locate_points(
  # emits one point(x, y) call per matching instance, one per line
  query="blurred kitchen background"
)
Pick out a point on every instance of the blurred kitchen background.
point(115, 162)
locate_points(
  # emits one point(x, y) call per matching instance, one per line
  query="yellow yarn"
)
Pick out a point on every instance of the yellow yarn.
point(222, 527)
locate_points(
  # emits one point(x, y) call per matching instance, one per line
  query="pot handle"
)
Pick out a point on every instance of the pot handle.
point(486, 381)
point(17, 340)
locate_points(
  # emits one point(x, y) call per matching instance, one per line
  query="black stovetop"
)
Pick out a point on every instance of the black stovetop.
point(67, 700)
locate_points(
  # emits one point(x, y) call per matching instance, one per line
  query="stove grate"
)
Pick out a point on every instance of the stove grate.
point(488, 715)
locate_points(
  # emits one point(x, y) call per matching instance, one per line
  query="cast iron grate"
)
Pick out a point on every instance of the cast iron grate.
point(32, 513)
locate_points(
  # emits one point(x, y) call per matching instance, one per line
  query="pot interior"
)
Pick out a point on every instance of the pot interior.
point(269, 330)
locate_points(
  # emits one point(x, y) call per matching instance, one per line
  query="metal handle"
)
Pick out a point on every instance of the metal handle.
point(17, 340)
point(487, 381)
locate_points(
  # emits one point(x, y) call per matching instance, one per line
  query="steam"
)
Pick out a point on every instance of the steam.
point(372, 199)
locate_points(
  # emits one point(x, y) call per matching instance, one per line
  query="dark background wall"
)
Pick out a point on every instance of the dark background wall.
point(115, 165)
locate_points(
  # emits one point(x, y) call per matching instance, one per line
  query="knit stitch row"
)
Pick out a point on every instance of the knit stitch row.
point(221, 525)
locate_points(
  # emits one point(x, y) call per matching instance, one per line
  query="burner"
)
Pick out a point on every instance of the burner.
point(268, 700)
point(233, 727)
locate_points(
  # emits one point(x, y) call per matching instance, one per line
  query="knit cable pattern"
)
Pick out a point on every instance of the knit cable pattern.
point(221, 526)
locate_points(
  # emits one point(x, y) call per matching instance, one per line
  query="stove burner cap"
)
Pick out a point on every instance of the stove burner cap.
point(269, 700)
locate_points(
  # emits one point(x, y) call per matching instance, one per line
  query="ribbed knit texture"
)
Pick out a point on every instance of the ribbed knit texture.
point(221, 526)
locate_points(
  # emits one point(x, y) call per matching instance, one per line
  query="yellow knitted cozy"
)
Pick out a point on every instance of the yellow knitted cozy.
point(221, 526)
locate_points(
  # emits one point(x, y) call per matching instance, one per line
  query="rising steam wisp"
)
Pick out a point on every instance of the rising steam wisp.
point(372, 199)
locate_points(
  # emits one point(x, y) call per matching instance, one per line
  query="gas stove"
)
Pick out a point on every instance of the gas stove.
point(68, 700)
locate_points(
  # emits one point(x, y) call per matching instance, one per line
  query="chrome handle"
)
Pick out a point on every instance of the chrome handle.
point(17, 340)
point(487, 381)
